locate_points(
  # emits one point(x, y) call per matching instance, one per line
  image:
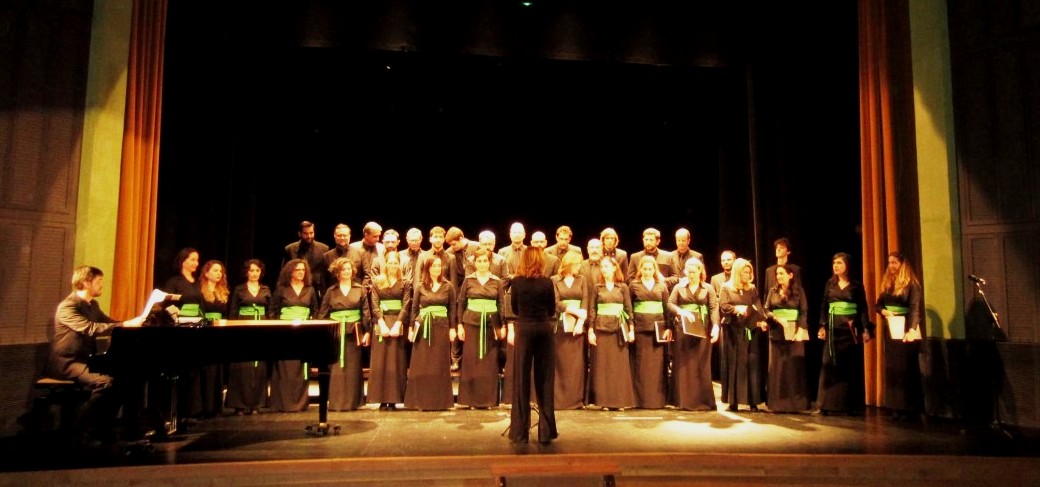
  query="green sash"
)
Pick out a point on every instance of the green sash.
point(789, 314)
point(482, 306)
point(253, 310)
point(648, 307)
point(615, 309)
point(344, 316)
point(429, 312)
point(698, 308)
point(190, 310)
point(212, 316)
point(294, 313)
point(390, 305)
point(837, 308)
point(897, 310)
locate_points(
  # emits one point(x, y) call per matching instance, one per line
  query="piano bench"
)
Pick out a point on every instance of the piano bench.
point(56, 403)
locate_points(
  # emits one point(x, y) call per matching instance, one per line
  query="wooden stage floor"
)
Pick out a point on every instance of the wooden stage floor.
point(467, 447)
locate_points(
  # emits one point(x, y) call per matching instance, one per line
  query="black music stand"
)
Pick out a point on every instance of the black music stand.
point(997, 334)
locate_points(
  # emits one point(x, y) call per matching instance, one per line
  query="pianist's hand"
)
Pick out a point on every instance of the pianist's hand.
point(134, 323)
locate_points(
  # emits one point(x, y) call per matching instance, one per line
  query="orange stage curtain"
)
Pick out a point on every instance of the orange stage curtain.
point(887, 156)
point(139, 176)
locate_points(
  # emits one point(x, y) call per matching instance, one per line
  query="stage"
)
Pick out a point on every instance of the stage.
point(467, 447)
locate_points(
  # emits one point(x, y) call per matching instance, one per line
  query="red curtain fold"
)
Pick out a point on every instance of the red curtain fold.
point(887, 151)
point(139, 172)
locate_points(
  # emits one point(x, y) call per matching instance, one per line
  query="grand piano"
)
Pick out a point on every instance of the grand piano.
point(136, 354)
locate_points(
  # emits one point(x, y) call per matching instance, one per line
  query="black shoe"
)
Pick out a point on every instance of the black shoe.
point(754, 409)
point(518, 441)
point(732, 407)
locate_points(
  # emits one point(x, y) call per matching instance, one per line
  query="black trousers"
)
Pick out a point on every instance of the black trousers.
point(534, 348)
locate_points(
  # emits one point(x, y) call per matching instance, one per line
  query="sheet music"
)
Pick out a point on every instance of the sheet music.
point(694, 327)
point(572, 318)
point(156, 297)
point(896, 326)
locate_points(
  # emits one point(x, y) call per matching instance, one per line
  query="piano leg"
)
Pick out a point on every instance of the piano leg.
point(323, 426)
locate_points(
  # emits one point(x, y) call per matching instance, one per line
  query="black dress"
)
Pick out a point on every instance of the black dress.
point(429, 373)
point(388, 370)
point(478, 380)
point(289, 378)
point(611, 368)
point(691, 362)
point(787, 383)
point(649, 369)
point(355, 311)
point(569, 392)
point(841, 374)
point(533, 299)
point(902, 385)
point(207, 384)
point(743, 381)
point(247, 381)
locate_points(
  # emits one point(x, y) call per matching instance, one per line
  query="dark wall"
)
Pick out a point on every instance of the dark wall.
point(712, 118)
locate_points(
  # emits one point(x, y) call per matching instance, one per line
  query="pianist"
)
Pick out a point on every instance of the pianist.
point(78, 322)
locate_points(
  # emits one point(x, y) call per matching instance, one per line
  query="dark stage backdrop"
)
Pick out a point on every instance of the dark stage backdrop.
point(715, 123)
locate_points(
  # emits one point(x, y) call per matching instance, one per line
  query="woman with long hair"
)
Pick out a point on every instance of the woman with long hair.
point(534, 301)
point(845, 325)
point(694, 300)
point(900, 296)
point(293, 299)
point(649, 369)
point(247, 381)
point(610, 382)
point(572, 304)
point(786, 307)
point(388, 368)
point(433, 313)
point(743, 326)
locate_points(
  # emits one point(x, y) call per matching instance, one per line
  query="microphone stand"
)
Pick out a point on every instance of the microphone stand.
point(997, 425)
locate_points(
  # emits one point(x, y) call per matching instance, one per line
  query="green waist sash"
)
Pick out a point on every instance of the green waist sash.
point(897, 310)
point(837, 308)
point(648, 307)
point(612, 309)
point(567, 303)
point(429, 312)
point(789, 314)
point(294, 313)
point(390, 305)
point(344, 316)
point(615, 309)
point(702, 309)
point(482, 306)
point(190, 310)
point(252, 310)
point(213, 316)
point(843, 308)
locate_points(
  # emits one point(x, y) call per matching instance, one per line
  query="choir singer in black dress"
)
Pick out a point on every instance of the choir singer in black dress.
point(534, 301)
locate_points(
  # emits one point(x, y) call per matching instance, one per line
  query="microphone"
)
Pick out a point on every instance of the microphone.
point(977, 279)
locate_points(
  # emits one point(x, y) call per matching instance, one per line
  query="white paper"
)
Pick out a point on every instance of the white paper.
point(156, 297)
point(790, 330)
point(572, 318)
point(896, 327)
